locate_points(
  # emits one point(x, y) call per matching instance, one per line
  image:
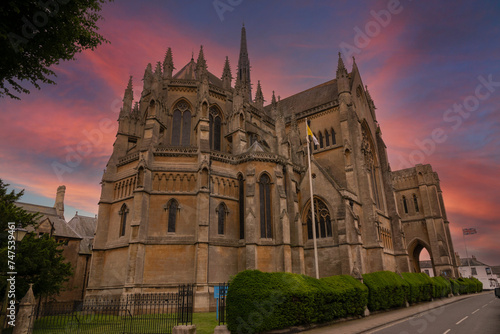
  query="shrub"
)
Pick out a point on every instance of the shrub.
point(385, 290)
point(350, 296)
point(455, 287)
point(442, 288)
point(258, 301)
point(479, 284)
point(420, 287)
point(463, 286)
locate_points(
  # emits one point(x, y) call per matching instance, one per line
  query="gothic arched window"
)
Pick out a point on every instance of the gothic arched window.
point(181, 125)
point(265, 206)
point(215, 129)
point(327, 138)
point(334, 141)
point(320, 139)
point(415, 202)
point(405, 204)
point(241, 205)
point(123, 221)
point(221, 219)
point(172, 207)
point(322, 218)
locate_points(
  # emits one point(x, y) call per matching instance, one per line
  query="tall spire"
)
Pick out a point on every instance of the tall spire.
point(243, 77)
point(259, 97)
point(168, 65)
point(226, 75)
point(342, 77)
point(148, 78)
point(201, 65)
point(341, 70)
point(128, 97)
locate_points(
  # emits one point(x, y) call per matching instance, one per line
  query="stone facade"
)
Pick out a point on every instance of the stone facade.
point(205, 181)
point(425, 224)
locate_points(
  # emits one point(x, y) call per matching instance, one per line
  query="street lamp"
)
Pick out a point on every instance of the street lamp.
point(19, 233)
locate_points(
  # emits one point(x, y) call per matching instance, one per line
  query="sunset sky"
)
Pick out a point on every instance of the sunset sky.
point(429, 66)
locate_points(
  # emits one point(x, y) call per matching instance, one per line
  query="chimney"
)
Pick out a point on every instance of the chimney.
point(59, 205)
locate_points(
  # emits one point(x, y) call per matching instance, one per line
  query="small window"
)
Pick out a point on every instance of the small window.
point(415, 202)
point(172, 207)
point(473, 271)
point(320, 139)
point(488, 271)
point(221, 219)
point(327, 138)
point(405, 204)
point(123, 221)
point(334, 141)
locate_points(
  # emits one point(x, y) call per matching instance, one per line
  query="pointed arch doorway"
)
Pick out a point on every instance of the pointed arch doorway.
point(420, 251)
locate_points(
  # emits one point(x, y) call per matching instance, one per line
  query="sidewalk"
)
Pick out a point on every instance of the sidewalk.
point(372, 322)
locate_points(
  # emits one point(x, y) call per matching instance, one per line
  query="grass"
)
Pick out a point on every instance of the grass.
point(205, 322)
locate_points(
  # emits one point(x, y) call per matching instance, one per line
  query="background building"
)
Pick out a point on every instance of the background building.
point(471, 267)
point(75, 236)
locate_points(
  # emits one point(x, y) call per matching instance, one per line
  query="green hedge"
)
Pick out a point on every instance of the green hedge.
point(442, 288)
point(386, 290)
point(420, 287)
point(455, 287)
point(478, 284)
point(258, 301)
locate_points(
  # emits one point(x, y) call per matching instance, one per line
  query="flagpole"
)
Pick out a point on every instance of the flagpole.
point(313, 222)
point(467, 253)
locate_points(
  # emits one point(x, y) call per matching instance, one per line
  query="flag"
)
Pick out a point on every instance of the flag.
point(310, 133)
point(468, 231)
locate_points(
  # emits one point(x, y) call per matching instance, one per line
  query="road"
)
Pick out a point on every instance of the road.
point(475, 315)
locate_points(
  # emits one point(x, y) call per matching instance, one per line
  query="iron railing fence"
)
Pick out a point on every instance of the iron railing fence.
point(221, 307)
point(145, 313)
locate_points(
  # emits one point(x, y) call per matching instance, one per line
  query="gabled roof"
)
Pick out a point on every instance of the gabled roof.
point(188, 72)
point(473, 262)
point(313, 97)
point(84, 226)
point(44, 210)
point(61, 228)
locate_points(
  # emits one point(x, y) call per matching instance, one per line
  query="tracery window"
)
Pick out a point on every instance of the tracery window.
point(368, 151)
point(123, 221)
point(265, 206)
point(322, 218)
point(215, 129)
point(181, 125)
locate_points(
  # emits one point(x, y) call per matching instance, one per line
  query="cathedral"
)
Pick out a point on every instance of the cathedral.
point(205, 181)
